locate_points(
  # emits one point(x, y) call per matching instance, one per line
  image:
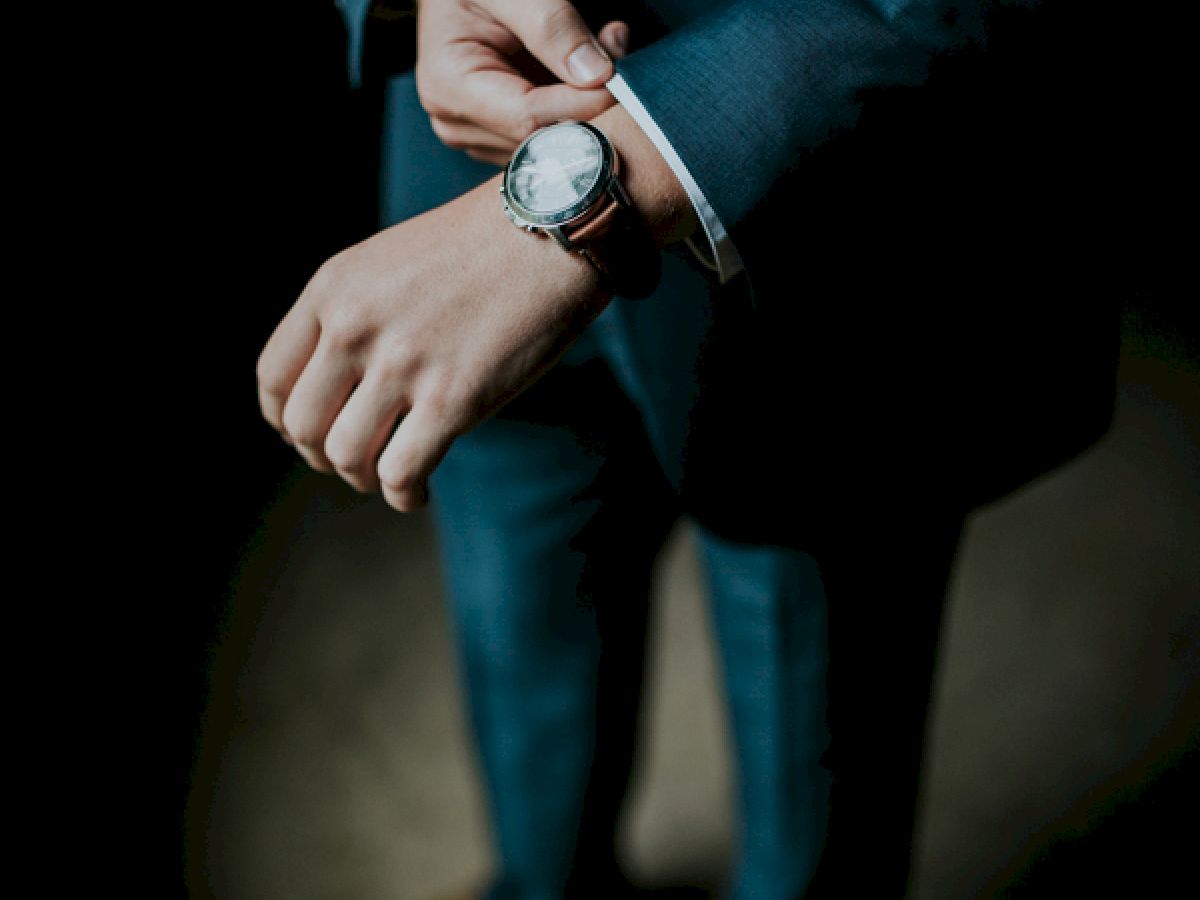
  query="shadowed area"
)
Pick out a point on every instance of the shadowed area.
point(335, 762)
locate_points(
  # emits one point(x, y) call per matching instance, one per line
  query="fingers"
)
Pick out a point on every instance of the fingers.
point(558, 102)
point(318, 396)
point(281, 362)
point(339, 424)
point(507, 106)
point(492, 100)
point(493, 111)
point(412, 454)
point(460, 134)
point(489, 156)
point(481, 100)
point(555, 33)
point(363, 427)
point(614, 38)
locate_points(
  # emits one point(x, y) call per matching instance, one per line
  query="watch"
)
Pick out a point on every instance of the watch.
point(563, 182)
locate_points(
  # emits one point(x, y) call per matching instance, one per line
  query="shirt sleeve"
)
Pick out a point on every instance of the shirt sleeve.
point(720, 253)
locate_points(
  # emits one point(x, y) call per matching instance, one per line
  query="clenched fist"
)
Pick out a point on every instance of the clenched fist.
point(408, 339)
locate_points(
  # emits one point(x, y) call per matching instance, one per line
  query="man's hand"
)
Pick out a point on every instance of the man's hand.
point(435, 322)
point(491, 72)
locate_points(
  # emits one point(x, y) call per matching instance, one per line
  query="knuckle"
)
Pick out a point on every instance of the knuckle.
point(357, 480)
point(302, 432)
point(556, 23)
point(451, 403)
point(523, 125)
point(442, 401)
point(344, 456)
point(359, 485)
point(399, 362)
point(270, 381)
point(434, 108)
point(446, 135)
point(403, 503)
point(329, 274)
point(398, 477)
point(319, 465)
point(428, 95)
point(528, 124)
point(346, 330)
point(409, 499)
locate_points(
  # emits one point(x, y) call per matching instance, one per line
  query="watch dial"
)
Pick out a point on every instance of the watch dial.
point(555, 169)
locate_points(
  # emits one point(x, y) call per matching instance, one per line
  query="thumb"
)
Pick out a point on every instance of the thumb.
point(555, 33)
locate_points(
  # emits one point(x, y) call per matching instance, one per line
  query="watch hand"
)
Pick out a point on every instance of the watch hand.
point(556, 170)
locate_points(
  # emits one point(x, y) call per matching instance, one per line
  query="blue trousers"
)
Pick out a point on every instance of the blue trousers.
point(551, 515)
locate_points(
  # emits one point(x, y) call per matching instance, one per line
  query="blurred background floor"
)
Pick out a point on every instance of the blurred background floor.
point(335, 763)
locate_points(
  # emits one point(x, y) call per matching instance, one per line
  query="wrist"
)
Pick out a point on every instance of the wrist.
point(659, 199)
point(601, 191)
point(534, 252)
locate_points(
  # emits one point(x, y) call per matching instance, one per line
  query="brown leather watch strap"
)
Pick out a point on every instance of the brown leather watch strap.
point(626, 257)
point(598, 224)
point(618, 245)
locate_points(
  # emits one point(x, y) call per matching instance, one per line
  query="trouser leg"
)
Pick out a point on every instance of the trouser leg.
point(886, 585)
point(550, 518)
point(770, 616)
point(417, 171)
point(829, 661)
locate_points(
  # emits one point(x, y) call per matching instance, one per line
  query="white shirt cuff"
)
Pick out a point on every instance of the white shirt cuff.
point(721, 255)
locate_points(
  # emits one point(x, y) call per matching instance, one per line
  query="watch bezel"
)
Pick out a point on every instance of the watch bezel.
point(528, 218)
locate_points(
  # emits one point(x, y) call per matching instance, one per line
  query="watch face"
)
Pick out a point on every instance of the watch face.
point(556, 169)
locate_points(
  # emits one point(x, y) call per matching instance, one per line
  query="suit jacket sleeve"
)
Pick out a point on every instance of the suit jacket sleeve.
point(744, 90)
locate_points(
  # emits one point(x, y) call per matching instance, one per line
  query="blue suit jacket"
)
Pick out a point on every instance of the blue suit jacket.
point(924, 316)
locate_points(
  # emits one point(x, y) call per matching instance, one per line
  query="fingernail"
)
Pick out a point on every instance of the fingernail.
point(588, 62)
point(620, 37)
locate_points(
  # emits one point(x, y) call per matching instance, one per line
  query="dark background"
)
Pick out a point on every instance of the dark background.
point(254, 162)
